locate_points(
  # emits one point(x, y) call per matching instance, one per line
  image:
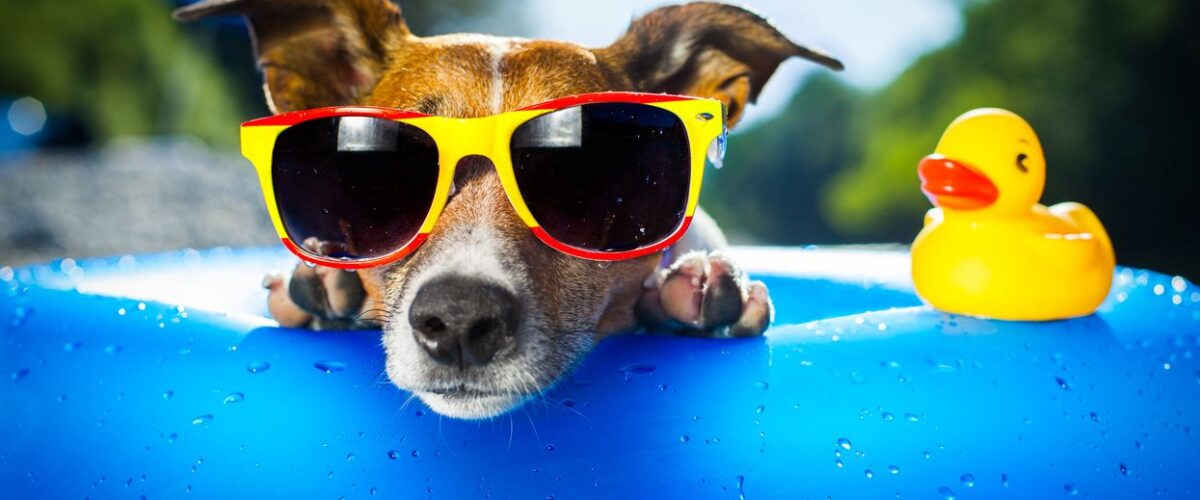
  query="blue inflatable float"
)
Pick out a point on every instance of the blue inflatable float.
point(160, 377)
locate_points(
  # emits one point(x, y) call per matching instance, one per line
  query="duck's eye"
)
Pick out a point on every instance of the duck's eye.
point(1021, 162)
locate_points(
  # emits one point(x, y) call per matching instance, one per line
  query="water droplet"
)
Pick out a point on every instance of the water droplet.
point(968, 480)
point(141, 306)
point(1159, 289)
point(121, 311)
point(1004, 479)
point(1070, 489)
point(258, 367)
point(946, 493)
point(168, 394)
point(549, 447)
point(760, 409)
point(414, 453)
point(1124, 469)
point(325, 210)
point(373, 491)
point(887, 416)
point(393, 454)
point(843, 443)
point(869, 473)
point(202, 419)
point(684, 438)
point(762, 384)
point(329, 366)
point(637, 369)
point(19, 374)
point(236, 397)
point(1062, 383)
point(112, 349)
point(72, 346)
point(20, 315)
point(911, 417)
point(569, 403)
point(350, 457)
point(858, 378)
point(893, 469)
point(926, 454)
point(838, 463)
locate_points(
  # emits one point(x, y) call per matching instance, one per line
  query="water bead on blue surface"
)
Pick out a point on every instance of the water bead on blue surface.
point(329, 366)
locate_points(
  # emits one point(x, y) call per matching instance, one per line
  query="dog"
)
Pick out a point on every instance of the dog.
point(543, 309)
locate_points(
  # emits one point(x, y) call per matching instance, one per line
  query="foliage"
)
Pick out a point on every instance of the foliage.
point(125, 68)
point(121, 67)
point(1110, 86)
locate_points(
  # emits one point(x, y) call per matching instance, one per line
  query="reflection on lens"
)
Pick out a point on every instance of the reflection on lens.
point(361, 186)
point(604, 176)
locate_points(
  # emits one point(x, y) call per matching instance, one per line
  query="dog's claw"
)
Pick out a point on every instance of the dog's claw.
point(704, 293)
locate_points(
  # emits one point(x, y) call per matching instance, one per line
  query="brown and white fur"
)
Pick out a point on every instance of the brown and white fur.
point(317, 53)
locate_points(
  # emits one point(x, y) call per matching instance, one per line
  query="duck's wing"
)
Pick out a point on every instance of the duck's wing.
point(1082, 217)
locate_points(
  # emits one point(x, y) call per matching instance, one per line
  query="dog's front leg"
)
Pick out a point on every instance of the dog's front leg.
point(702, 292)
point(321, 298)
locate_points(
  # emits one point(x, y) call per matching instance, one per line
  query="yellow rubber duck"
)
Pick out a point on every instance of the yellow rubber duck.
point(989, 248)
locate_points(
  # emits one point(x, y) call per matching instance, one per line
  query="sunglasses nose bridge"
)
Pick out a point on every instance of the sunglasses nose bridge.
point(464, 137)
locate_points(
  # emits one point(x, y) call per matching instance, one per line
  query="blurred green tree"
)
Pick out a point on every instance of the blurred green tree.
point(1109, 85)
point(120, 67)
point(771, 190)
point(125, 68)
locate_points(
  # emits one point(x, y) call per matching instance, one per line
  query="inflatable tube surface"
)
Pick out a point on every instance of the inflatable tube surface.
point(159, 377)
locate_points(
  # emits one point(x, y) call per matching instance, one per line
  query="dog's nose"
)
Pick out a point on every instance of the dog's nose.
point(463, 321)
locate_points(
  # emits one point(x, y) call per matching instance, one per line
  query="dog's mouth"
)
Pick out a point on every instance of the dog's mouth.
point(470, 403)
point(463, 391)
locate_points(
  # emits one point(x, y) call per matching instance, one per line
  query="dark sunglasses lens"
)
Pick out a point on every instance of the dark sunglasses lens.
point(606, 176)
point(361, 186)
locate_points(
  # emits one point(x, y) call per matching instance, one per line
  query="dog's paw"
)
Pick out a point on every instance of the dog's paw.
point(321, 298)
point(705, 294)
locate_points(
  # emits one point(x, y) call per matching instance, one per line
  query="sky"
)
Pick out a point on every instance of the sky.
point(876, 39)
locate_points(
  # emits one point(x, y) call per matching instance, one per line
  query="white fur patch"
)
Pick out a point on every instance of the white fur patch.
point(498, 51)
point(474, 251)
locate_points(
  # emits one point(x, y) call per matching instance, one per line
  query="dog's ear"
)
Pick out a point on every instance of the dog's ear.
point(706, 50)
point(314, 53)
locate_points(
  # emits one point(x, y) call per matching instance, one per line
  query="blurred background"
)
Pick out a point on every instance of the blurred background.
point(118, 127)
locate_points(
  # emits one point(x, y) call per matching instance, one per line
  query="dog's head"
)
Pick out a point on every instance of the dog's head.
point(484, 315)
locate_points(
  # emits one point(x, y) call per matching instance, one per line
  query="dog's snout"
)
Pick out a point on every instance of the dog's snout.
point(464, 321)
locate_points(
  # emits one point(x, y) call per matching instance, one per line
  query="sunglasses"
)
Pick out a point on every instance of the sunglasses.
point(605, 176)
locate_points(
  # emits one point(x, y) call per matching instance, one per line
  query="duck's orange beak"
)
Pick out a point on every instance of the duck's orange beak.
point(955, 185)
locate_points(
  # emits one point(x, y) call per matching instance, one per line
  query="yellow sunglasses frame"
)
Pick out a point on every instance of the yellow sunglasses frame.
point(489, 136)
